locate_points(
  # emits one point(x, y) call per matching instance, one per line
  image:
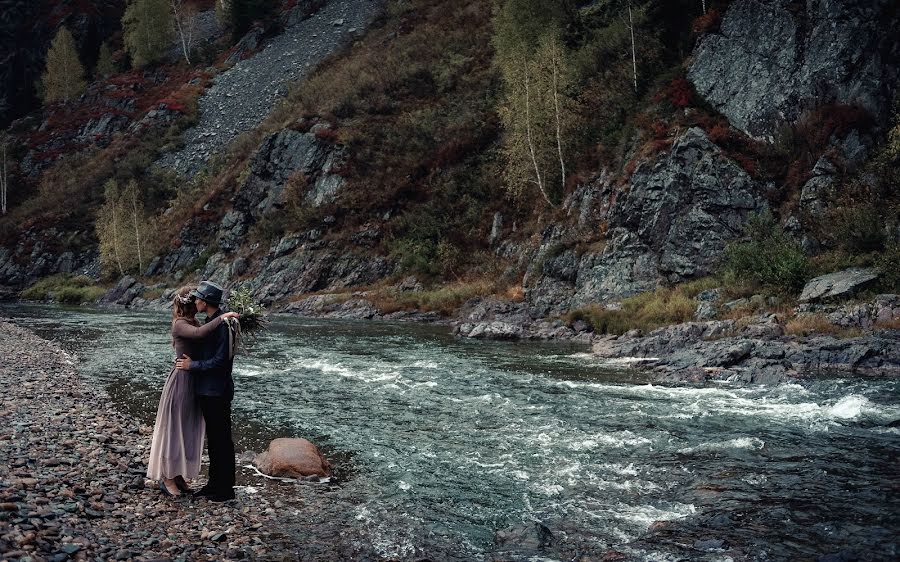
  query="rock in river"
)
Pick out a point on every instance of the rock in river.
point(292, 458)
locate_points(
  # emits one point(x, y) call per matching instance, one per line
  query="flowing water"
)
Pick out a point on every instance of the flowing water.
point(452, 449)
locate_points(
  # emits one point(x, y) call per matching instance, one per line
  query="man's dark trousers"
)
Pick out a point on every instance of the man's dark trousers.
point(217, 415)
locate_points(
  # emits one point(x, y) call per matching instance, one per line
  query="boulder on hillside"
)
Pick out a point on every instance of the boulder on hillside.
point(292, 458)
point(839, 285)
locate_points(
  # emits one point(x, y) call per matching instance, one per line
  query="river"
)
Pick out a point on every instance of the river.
point(440, 444)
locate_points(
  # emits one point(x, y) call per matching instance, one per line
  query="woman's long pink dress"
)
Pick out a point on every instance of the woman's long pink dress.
point(177, 443)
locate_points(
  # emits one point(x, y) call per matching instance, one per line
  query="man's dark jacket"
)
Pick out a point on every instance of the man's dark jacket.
point(212, 370)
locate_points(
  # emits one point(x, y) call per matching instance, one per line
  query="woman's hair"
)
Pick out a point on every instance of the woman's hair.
point(183, 305)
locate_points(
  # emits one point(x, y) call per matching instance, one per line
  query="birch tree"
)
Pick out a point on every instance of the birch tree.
point(184, 15)
point(109, 232)
point(633, 48)
point(63, 78)
point(534, 111)
point(124, 229)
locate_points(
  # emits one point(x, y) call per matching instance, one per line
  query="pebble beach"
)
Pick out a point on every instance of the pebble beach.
point(72, 484)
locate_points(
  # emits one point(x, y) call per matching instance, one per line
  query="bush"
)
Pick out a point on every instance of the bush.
point(64, 288)
point(889, 264)
point(770, 258)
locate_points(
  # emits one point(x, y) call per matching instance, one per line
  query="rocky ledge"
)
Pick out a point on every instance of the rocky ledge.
point(72, 483)
point(758, 350)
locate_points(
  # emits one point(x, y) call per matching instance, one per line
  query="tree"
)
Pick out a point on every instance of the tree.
point(109, 221)
point(124, 229)
point(63, 78)
point(148, 27)
point(633, 49)
point(4, 176)
point(184, 15)
point(105, 64)
point(535, 111)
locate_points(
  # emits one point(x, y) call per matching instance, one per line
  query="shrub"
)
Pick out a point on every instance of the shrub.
point(64, 288)
point(889, 264)
point(770, 258)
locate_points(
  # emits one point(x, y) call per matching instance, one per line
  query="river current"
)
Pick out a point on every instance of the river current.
point(451, 449)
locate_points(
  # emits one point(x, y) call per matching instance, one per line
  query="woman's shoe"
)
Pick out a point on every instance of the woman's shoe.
point(165, 489)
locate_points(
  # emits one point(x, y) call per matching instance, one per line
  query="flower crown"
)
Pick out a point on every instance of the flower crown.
point(186, 299)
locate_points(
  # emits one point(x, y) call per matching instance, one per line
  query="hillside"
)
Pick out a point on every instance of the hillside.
point(380, 185)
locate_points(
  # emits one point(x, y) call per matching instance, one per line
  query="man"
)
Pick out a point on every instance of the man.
point(215, 390)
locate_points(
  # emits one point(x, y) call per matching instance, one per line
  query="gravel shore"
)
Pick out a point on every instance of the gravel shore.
point(72, 483)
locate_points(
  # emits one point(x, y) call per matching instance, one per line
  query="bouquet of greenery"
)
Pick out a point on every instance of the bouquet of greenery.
point(252, 321)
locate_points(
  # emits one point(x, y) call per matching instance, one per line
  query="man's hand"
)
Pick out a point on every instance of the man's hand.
point(184, 363)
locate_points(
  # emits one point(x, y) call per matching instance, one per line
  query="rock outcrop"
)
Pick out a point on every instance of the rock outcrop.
point(292, 458)
point(757, 353)
point(671, 223)
point(773, 59)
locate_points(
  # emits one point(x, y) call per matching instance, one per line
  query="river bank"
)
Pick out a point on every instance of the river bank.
point(72, 482)
point(737, 341)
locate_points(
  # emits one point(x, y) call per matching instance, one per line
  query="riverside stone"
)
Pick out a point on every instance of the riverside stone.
point(292, 458)
point(838, 285)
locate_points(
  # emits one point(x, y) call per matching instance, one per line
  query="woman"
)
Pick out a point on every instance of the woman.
point(178, 434)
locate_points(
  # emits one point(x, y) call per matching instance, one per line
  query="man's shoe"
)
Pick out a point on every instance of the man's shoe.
point(205, 491)
point(221, 497)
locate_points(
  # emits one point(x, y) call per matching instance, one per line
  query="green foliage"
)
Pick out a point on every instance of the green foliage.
point(537, 112)
point(857, 228)
point(770, 258)
point(148, 30)
point(253, 315)
point(63, 78)
point(105, 64)
point(126, 232)
point(64, 288)
point(889, 264)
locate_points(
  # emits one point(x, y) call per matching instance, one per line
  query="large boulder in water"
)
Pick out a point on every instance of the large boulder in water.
point(292, 458)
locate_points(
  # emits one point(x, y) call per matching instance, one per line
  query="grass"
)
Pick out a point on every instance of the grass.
point(64, 288)
point(444, 300)
point(646, 311)
point(817, 323)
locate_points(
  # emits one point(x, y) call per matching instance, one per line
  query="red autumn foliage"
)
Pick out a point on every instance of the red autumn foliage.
point(707, 23)
point(680, 92)
point(327, 134)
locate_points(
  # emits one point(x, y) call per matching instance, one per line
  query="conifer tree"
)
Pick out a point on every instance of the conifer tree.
point(105, 64)
point(63, 78)
point(148, 29)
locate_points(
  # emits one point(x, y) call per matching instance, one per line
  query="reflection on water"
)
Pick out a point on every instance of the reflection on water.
point(439, 443)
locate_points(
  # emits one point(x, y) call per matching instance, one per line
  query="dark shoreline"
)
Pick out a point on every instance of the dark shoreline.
point(72, 482)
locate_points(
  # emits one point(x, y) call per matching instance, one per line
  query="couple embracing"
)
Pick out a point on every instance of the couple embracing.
point(196, 399)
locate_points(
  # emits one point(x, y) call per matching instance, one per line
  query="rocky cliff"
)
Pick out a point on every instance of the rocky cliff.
point(663, 215)
point(772, 60)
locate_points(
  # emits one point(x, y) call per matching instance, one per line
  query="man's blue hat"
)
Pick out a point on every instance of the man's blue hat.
point(209, 292)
